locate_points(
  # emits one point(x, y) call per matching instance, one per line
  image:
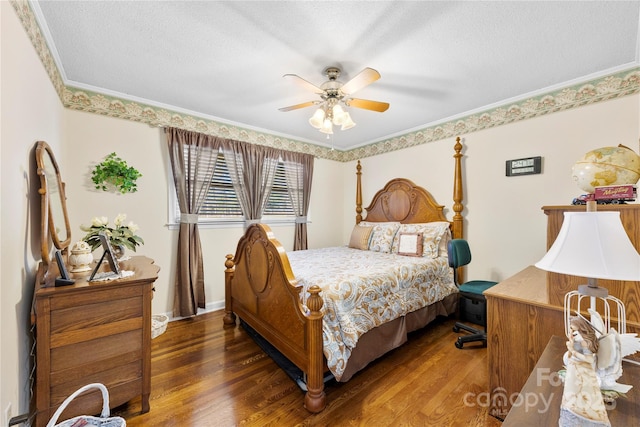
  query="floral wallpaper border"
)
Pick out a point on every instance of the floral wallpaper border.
point(613, 86)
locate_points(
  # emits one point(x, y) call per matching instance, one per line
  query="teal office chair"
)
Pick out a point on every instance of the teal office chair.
point(473, 304)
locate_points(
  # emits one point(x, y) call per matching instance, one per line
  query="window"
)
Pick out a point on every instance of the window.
point(222, 206)
point(279, 202)
point(221, 201)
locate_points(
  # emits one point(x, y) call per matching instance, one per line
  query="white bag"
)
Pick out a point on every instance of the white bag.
point(85, 420)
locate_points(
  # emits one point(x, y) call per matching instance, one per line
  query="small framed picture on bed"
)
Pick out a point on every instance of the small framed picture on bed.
point(410, 244)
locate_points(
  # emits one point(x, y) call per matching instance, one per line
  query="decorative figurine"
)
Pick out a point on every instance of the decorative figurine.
point(582, 402)
point(612, 347)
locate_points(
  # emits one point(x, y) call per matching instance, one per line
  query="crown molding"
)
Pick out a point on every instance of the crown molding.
point(619, 84)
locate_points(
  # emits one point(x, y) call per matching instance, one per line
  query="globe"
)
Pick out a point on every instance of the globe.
point(607, 166)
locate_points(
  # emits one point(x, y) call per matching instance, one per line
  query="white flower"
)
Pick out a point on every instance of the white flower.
point(120, 220)
point(99, 222)
point(133, 227)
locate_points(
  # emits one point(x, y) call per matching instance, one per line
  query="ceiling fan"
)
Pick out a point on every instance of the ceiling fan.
point(332, 94)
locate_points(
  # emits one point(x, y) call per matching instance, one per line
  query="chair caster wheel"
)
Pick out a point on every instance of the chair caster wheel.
point(456, 328)
point(459, 344)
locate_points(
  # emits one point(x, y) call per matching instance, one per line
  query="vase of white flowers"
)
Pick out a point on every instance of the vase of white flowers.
point(120, 235)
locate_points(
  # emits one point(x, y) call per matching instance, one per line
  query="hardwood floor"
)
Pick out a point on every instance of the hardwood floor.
point(204, 374)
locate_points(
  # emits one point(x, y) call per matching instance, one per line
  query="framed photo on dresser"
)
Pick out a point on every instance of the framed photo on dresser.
point(109, 255)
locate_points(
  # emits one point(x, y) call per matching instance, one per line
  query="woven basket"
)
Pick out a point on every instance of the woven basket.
point(104, 420)
point(158, 324)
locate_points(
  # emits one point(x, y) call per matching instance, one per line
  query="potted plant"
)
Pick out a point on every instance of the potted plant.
point(115, 172)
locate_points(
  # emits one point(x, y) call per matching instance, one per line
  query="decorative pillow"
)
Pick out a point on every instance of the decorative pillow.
point(444, 242)
point(382, 235)
point(360, 237)
point(432, 235)
point(410, 244)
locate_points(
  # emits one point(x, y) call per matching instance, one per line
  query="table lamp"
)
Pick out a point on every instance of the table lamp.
point(594, 245)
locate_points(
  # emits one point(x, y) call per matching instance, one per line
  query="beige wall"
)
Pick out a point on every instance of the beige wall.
point(504, 223)
point(31, 111)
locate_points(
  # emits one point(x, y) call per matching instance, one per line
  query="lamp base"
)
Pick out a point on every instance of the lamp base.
point(593, 291)
point(586, 297)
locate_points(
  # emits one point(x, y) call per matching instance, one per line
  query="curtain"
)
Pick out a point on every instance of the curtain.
point(298, 168)
point(193, 159)
point(252, 169)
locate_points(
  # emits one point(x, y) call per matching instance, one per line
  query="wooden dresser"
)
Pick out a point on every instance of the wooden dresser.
point(526, 310)
point(93, 332)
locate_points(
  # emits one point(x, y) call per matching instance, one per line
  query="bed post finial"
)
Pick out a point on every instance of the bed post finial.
point(358, 193)
point(229, 316)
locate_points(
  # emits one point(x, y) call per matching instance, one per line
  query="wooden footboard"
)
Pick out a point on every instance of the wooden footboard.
point(261, 289)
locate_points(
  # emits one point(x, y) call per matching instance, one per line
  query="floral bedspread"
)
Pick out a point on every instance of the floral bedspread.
point(364, 289)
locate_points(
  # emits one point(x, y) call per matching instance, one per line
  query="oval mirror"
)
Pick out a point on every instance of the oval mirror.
point(54, 218)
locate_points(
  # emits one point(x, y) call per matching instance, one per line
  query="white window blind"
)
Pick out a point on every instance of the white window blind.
point(279, 202)
point(222, 203)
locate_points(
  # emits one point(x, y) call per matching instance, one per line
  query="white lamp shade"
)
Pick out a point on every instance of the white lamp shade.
point(347, 122)
point(593, 245)
point(317, 119)
point(327, 127)
point(339, 115)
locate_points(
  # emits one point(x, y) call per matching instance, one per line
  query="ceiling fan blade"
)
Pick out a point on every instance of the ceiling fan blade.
point(362, 79)
point(367, 104)
point(303, 83)
point(297, 106)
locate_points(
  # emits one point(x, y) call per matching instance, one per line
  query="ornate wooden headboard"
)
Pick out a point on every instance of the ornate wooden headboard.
point(402, 200)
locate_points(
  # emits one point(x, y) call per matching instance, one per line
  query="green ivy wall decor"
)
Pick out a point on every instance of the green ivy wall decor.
point(114, 173)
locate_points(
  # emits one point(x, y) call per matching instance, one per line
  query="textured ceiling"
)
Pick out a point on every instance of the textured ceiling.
point(224, 60)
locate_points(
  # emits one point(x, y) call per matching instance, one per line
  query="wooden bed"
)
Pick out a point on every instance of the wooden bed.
point(261, 289)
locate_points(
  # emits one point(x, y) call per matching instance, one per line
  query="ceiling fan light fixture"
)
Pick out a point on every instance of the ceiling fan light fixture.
point(327, 127)
point(339, 115)
point(334, 94)
point(317, 120)
point(347, 123)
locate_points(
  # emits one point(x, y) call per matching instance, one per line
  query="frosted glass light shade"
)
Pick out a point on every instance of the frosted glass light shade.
point(339, 115)
point(593, 245)
point(347, 123)
point(317, 119)
point(327, 127)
